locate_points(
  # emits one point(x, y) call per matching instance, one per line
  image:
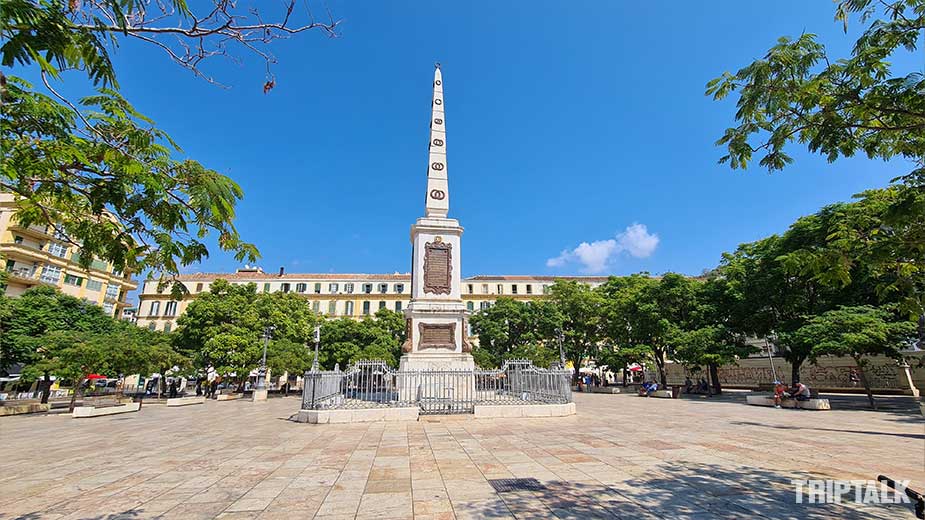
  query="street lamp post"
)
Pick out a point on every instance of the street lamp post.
point(260, 391)
point(317, 341)
point(315, 367)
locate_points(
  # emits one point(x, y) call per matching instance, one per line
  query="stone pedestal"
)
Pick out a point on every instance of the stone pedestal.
point(259, 395)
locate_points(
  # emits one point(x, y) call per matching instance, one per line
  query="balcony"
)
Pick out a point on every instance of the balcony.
point(23, 275)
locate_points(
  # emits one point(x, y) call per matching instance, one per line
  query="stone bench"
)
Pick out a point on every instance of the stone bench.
point(812, 404)
point(101, 402)
point(228, 397)
point(18, 409)
point(664, 394)
point(186, 401)
point(93, 411)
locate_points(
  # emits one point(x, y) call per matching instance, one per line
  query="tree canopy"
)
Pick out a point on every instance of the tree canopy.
point(100, 173)
point(837, 107)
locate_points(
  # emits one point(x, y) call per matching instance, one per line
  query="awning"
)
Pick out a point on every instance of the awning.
point(96, 376)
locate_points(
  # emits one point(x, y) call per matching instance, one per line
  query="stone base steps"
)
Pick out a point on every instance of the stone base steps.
point(412, 413)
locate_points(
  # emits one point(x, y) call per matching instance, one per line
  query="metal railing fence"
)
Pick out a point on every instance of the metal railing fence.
point(373, 384)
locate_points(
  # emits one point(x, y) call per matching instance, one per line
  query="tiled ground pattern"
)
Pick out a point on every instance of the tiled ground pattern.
point(620, 457)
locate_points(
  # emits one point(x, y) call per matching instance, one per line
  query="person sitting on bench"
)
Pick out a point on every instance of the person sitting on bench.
point(648, 388)
point(688, 385)
point(798, 391)
point(779, 390)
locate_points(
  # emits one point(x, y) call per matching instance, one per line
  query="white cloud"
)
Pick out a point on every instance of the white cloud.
point(635, 241)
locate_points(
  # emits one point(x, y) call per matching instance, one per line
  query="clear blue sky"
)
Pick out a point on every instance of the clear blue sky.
point(567, 123)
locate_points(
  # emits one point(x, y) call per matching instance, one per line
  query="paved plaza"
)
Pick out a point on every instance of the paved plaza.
point(621, 456)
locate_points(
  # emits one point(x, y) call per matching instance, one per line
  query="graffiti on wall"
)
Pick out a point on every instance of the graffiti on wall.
point(831, 373)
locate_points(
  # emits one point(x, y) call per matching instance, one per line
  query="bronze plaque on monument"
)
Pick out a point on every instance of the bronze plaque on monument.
point(437, 336)
point(438, 267)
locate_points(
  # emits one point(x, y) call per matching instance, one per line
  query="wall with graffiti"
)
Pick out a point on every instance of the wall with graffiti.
point(828, 373)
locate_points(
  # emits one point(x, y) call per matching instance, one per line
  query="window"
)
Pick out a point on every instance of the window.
point(317, 288)
point(17, 239)
point(316, 306)
point(284, 287)
point(483, 305)
point(199, 287)
point(332, 288)
point(57, 249)
point(170, 309)
point(529, 289)
point(500, 289)
point(382, 305)
point(167, 327)
point(107, 308)
point(152, 326)
point(513, 288)
point(266, 287)
point(470, 306)
point(545, 289)
point(112, 291)
point(155, 309)
point(470, 289)
point(301, 287)
point(348, 288)
point(365, 308)
point(348, 308)
point(484, 288)
point(117, 273)
point(367, 288)
point(332, 307)
point(73, 280)
point(399, 288)
point(94, 285)
point(51, 274)
point(383, 288)
point(397, 306)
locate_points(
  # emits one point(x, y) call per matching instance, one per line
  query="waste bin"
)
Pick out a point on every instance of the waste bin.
point(675, 392)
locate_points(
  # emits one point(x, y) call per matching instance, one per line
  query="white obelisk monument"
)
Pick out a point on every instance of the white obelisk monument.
point(436, 318)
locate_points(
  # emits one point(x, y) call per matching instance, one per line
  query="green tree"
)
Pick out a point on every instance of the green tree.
point(578, 309)
point(513, 329)
point(97, 171)
point(28, 321)
point(857, 332)
point(835, 106)
point(344, 341)
point(223, 309)
point(285, 356)
point(223, 327)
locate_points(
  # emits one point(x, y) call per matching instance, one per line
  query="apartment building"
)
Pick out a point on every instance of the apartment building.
point(38, 255)
point(338, 295)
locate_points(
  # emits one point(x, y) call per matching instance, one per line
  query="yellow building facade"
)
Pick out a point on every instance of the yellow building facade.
point(36, 255)
point(339, 295)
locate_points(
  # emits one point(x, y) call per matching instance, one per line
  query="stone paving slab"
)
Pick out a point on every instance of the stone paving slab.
point(619, 457)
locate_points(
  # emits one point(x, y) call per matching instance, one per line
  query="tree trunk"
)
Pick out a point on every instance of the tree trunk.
point(660, 364)
point(714, 378)
point(624, 375)
point(921, 343)
point(77, 386)
point(865, 382)
point(46, 387)
point(795, 371)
